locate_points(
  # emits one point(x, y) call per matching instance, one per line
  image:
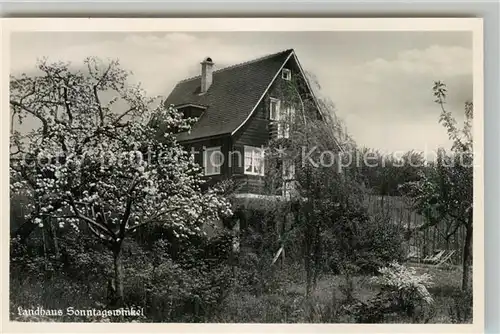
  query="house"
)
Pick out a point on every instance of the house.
point(239, 110)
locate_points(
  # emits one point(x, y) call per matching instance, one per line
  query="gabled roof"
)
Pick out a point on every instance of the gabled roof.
point(230, 100)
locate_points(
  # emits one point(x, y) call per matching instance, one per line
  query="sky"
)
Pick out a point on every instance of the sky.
point(380, 82)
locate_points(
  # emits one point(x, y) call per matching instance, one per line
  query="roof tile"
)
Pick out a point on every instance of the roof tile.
point(232, 96)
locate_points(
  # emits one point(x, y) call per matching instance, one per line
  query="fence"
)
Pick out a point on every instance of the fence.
point(422, 243)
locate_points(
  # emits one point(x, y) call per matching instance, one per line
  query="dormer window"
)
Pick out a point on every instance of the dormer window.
point(190, 110)
point(286, 74)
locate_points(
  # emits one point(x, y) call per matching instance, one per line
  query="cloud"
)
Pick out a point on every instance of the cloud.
point(440, 61)
point(387, 103)
point(406, 80)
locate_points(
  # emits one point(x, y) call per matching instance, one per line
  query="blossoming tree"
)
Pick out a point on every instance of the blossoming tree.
point(103, 157)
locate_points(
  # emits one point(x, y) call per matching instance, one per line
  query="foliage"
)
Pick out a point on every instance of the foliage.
point(101, 167)
point(411, 288)
point(187, 289)
point(359, 244)
point(329, 219)
point(460, 309)
point(337, 232)
point(383, 173)
point(268, 308)
point(444, 195)
point(88, 160)
point(403, 291)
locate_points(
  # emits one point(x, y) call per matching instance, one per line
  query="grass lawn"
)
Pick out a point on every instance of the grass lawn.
point(447, 284)
point(287, 303)
point(282, 299)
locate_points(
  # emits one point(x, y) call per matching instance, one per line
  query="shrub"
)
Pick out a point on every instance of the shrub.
point(403, 293)
point(362, 242)
point(379, 243)
point(408, 287)
point(188, 288)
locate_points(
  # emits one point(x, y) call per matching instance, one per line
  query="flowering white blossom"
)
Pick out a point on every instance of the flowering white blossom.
point(406, 280)
point(111, 170)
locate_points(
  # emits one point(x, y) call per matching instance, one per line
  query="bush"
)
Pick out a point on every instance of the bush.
point(189, 288)
point(403, 293)
point(362, 244)
point(380, 243)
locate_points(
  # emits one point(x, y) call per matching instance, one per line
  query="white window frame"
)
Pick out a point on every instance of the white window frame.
point(285, 121)
point(288, 170)
point(278, 106)
point(253, 154)
point(207, 154)
point(286, 74)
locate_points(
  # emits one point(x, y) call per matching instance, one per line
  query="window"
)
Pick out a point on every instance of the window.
point(213, 160)
point(286, 119)
point(286, 74)
point(254, 160)
point(283, 117)
point(288, 171)
point(288, 178)
point(274, 109)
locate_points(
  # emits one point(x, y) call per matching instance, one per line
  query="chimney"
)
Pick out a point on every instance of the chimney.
point(206, 74)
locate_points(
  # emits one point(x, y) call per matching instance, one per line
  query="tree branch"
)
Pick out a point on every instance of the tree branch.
point(45, 124)
point(67, 105)
point(124, 114)
point(96, 93)
point(448, 235)
point(90, 221)
point(99, 235)
point(99, 106)
point(128, 208)
point(151, 219)
point(126, 217)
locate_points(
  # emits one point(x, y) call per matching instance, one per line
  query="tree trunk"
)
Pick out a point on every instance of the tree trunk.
point(467, 259)
point(118, 276)
point(55, 242)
